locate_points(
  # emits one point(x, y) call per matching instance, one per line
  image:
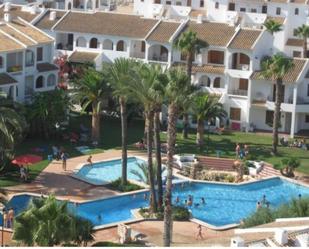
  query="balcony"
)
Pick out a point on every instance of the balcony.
point(15, 69)
point(238, 92)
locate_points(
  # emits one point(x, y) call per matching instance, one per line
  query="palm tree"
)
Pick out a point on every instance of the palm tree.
point(189, 44)
point(177, 89)
point(121, 74)
point(303, 32)
point(91, 89)
point(12, 127)
point(205, 106)
point(275, 68)
point(144, 91)
point(48, 222)
point(143, 175)
point(272, 26)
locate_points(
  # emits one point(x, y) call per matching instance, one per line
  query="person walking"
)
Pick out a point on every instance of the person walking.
point(89, 160)
point(199, 234)
point(10, 218)
point(64, 161)
point(237, 150)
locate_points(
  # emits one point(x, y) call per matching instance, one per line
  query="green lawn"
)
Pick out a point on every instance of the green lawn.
point(111, 138)
point(259, 146)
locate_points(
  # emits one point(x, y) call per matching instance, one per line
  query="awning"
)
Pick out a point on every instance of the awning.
point(82, 57)
point(6, 79)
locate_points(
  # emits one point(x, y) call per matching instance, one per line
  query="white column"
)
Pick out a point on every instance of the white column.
point(294, 116)
point(248, 106)
point(146, 50)
point(169, 57)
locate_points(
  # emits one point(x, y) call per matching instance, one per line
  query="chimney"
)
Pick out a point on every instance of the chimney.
point(7, 14)
point(33, 10)
point(281, 236)
point(7, 7)
point(52, 15)
point(237, 242)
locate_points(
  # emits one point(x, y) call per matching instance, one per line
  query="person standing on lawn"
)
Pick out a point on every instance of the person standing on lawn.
point(64, 160)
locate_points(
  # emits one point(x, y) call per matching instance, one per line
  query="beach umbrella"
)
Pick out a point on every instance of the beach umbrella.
point(27, 159)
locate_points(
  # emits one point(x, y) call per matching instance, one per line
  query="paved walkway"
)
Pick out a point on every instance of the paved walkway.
point(54, 180)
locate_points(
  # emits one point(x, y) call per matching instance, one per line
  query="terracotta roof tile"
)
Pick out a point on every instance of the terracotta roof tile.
point(290, 77)
point(30, 31)
point(6, 79)
point(277, 19)
point(46, 23)
point(245, 39)
point(216, 34)
point(17, 35)
point(294, 42)
point(206, 68)
point(7, 44)
point(16, 11)
point(45, 67)
point(82, 57)
point(163, 32)
point(106, 24)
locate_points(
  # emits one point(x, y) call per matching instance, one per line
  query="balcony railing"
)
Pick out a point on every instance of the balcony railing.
point(161, 58)
point(243, 67)
point(139, 55)
point(14, 69)
point(239, 92)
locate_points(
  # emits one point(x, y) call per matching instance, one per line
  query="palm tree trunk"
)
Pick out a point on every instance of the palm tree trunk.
point(145, 127)
point(189, 60)
point(305, 47)
point(171, 141)
point(152, 199)
point(276, 120)
point(95, 123)
point(200, 133)
point(185, 126)
point(158, 157)
point(124, 138)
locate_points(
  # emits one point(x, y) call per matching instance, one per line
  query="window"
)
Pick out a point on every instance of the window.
point(143, 47)
point(51, 80)
point(217, 82)
point(253, 10)
point(296, 11)
point(264, 9)
point(242, 9)
point(157, 1)
point(201, 3)
point(235, 113)
point(29, 80)
point(243, 84)
point(232, 6)
point(307, 119)
point(178, 3)
point(1, 62)
point(269, 118)
point(121, 46)
point(39, 54)
point(14, 62)
point(296, 54)
point(29, 58)
point(308, 90)
point(93, 43)
point(183, 56)
point(81, 42)
point(39, 82)
point(278, 11)
point(108, 44)
point(294, 32)
point(216, 57)
point(216, 5)
point(168, 3)
point(142, 1)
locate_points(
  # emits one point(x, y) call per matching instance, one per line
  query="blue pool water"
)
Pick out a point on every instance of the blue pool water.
point(225, 204)
point(108, 171)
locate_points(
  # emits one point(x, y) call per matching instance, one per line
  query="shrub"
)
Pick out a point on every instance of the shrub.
point(124, 188)
point(261, 216)
point(180, 213)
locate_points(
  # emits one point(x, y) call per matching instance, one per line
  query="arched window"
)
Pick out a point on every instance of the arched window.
point(296, 11)
point(1, 62)
point(69, 6)
point(39, 83)
point(93, 43)
point(81, 42)
point(204, 81)
point(51, 80)
point(108, 44)
point(89, 5)
point(217, 82)
point(216, 5)
point(76, 4)
point(158, 53)
point(121, 46)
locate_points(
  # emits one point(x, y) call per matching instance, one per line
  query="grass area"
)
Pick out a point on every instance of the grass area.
point(259, 147)
point(259, 144)
point(110, 138)
point(116, 185)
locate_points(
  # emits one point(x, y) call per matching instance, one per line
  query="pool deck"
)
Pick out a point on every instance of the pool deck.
point(53, 180)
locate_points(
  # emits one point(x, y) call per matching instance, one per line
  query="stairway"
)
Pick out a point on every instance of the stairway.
point(213, 163)
point(268, 171)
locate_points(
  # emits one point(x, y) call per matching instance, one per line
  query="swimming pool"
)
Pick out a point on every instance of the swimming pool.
point(107, 171)
point(225, 204)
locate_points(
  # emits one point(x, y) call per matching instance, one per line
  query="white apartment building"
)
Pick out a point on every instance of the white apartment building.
point(26, 57)
point(229, 66)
